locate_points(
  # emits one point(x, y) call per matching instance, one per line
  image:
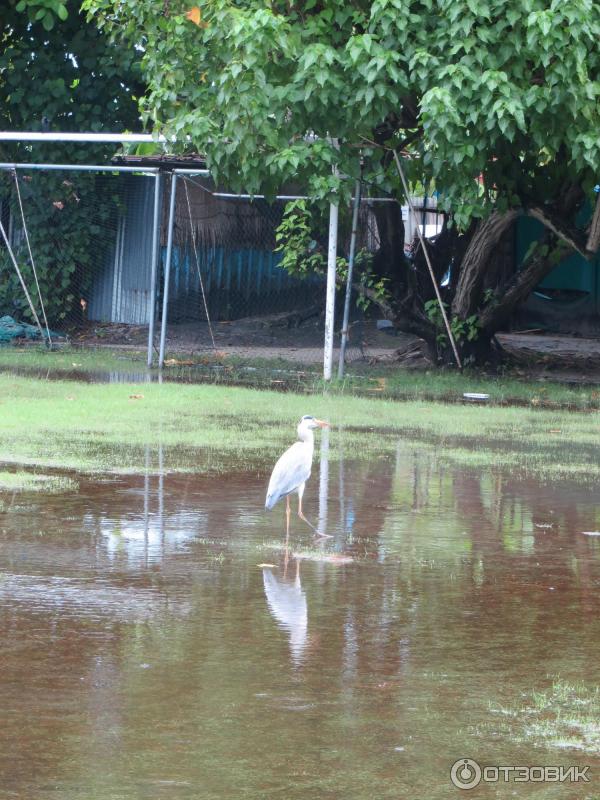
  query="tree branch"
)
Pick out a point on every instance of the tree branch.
point(593, 241)
point(555, 224)
point(543, 260)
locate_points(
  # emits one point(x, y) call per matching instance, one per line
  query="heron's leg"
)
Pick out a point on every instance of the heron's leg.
point(286, 554)
point(300, 514)
point(286, 548)
point(302, 517)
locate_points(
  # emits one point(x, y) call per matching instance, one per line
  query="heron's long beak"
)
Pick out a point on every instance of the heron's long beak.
point(321, 423)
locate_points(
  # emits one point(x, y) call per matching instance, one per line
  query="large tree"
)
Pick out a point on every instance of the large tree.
point(495, 101)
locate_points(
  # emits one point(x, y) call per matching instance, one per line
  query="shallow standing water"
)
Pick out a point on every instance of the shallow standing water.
point(146, 653)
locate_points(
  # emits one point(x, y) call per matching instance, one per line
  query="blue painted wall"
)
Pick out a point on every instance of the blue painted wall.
point(237, 283)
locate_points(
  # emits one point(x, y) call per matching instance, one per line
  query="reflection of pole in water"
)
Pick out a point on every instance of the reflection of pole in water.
point(146, 502)
point(350, 651)
point(422, 473)
point(324, 480)
point(161, 492)
point(415, 504)
point(342, 491)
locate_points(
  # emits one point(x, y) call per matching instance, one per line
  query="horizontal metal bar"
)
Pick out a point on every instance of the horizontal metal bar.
point(295, 197)
point(259, 196)
point(80, 167)
point(178, 171)
point(29, 136)
point(191, 171)
point(228, 196)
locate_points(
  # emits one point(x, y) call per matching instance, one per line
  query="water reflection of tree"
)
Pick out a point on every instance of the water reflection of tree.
point(529, 568)
point(445, 605)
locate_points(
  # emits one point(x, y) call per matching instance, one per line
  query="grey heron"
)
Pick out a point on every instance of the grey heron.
point(292, 470)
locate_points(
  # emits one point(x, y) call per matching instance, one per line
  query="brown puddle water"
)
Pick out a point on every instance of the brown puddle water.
point(146, 654)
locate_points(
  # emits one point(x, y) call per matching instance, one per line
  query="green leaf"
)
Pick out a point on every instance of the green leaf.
point(48, 21)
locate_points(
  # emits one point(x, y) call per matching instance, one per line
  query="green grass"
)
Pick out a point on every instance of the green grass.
point(34, 482)
point(203, 428)
point(450, 386)
point(566, 716)
point(378, 381)
point(71, 359)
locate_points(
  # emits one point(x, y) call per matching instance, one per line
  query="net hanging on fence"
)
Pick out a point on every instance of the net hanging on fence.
point(91, 234)
point(72, 222)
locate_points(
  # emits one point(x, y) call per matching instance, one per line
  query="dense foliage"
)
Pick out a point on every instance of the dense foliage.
point(58, 72)
point(496, 101)
point(500, 89)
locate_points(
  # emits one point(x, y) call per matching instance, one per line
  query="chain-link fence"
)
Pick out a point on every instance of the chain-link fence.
point(78, 255)
point(227, 290)
point(106, 257)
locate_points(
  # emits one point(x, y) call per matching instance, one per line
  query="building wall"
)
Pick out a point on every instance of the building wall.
point(121, 290)
point(568, 299)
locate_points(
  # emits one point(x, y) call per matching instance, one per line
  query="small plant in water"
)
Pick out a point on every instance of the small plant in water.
point(566, 716)
point(36, 482)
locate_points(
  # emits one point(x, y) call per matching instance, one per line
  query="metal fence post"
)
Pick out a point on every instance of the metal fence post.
point(163, 322)
point(154, 266)
point(324, 481)
point(346, 320)
point(330, 293)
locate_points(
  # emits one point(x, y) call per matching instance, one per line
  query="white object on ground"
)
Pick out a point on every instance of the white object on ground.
point(475, 396)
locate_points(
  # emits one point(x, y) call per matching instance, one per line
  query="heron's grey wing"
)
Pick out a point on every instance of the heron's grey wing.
point(292, 470)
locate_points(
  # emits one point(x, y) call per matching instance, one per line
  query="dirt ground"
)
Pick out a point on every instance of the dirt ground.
point(566, 358)
point(254, 338)
point(570, 359)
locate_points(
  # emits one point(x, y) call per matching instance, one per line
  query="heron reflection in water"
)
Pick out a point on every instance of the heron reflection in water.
point(293, 470)
point(287, 603)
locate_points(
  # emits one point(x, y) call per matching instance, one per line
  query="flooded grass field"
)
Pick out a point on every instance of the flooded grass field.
point(161, 640)
point(367, 379)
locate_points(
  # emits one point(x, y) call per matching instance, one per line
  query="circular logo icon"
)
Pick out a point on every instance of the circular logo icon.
point(465, 773)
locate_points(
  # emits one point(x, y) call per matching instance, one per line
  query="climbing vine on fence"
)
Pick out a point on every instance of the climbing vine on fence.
point(71, 219)
point(58, 72)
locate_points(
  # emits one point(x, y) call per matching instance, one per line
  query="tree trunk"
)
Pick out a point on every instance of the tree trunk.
point(389, 259)
point(544, 259)
point(467, 297)
point(476, 270)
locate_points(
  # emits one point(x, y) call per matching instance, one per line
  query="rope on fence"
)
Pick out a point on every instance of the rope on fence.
point(187, 197)
point(25, 231)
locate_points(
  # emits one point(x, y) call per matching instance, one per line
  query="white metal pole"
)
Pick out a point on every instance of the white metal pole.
point(56, 136)
point(324, 481)
point(346, 320)
point(77, 167)
point(330, 292)
point(154, 265)
point(163, 322)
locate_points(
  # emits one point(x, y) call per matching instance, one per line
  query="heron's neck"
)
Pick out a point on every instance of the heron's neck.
point(306, 435)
